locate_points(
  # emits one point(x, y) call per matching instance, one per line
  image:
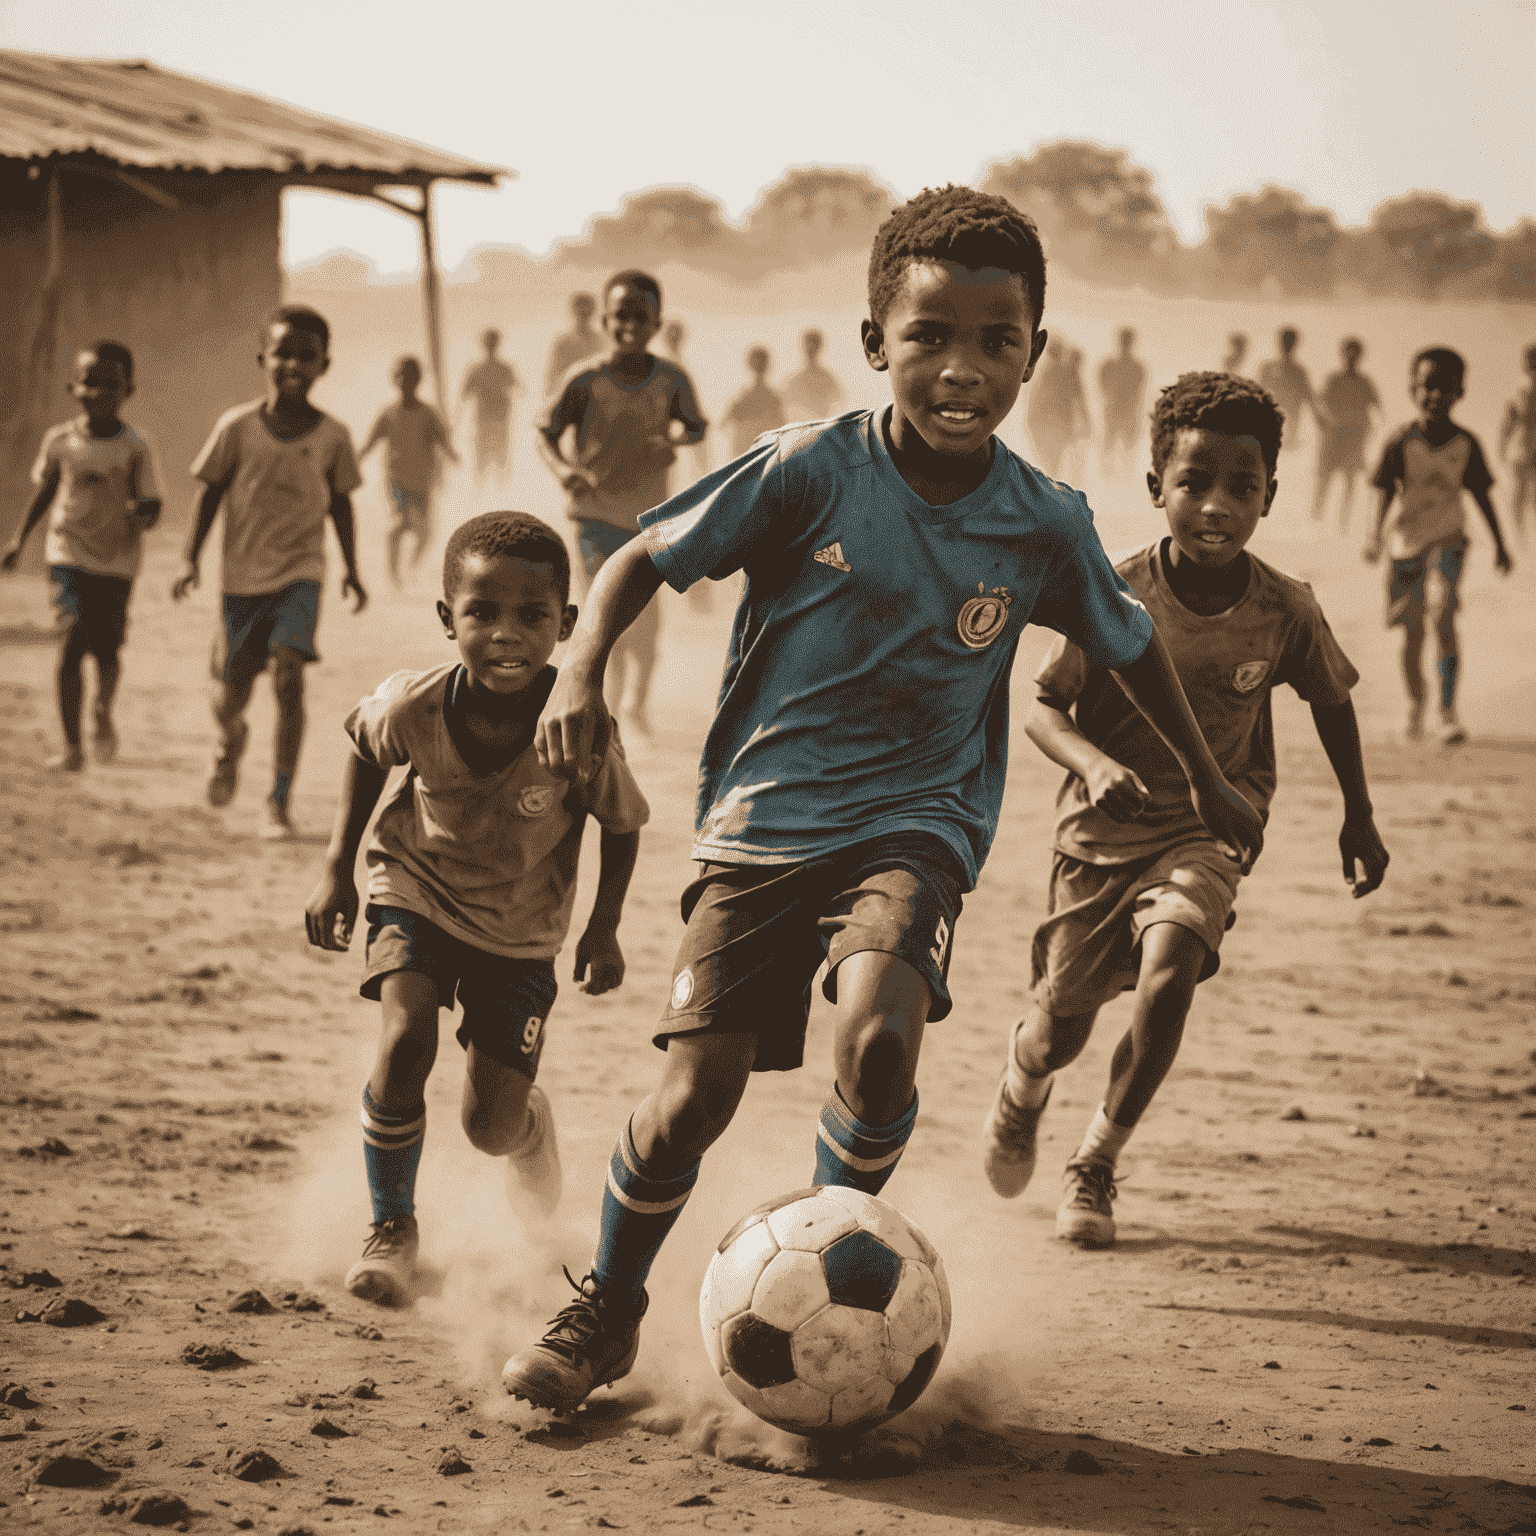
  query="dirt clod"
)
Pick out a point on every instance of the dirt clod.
point(452, 1464)
point(251, 1301)
point(73, 1472)
point(1083, 1464)
point(213, 1357)
point(70, 1312)
point(257, 1467)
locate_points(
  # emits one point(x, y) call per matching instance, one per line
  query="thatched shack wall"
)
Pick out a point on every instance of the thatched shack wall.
point(185, 288)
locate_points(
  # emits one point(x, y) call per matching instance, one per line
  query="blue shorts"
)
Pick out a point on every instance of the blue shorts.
point(599, 541)
point(92, 608)
point(506, 1002)
point(413, 509)
point(254, 627)
point(1425, 586)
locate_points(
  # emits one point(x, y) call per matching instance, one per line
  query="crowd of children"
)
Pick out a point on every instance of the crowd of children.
point(853, 775)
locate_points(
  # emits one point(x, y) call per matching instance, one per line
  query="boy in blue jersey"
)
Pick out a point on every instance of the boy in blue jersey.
point(852, 778)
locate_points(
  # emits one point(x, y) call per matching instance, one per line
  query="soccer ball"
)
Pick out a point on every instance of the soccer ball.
point(825, 1311)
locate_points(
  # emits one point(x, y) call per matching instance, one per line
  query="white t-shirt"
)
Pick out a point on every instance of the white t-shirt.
point(100, 478)
point(278, 497)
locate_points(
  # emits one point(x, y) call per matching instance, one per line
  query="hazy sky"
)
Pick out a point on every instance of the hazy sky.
point(1348, 102)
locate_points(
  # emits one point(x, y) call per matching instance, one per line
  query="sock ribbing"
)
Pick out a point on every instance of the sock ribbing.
point(1104, 1141)
point(639, 1210)
point(853, 1155)
point(392, 1152)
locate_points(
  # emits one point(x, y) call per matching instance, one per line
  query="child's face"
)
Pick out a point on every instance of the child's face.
point(293, 360)
point(100, 386)
point(407, 378)
point(631, 319)
point(1214, 488)
point(507, 618)
point(958, 344)
point(1434, 391)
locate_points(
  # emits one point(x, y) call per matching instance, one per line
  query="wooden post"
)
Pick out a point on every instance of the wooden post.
point(431, 296)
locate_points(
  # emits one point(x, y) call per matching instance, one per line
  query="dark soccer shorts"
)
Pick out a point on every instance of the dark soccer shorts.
point(506, 1002)
point(1426, 586)
point(92, 608)
point(758, 933)
point(254, 627)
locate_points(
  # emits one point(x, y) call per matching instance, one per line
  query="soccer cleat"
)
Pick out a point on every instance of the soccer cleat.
point(386, 1273)
point(1086, 1214)
point(226, 766)
point(276, 826)
point(533, 1169)
point(1008, 1141)
point(70, 760)
point(588, 1345)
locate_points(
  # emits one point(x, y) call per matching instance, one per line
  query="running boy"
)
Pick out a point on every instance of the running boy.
point(1344, 422)
point(1140, 891)
point(1518, 430)
point(758, 408)
point(472, 876)
point(278, 467)
point(852, 777)
point(414, 435)
point(1424, 468)
point(626, 416)
point(491, 384)
point(98, 476)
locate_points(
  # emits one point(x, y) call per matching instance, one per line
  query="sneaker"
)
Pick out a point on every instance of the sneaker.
point(1008, 1141)
point(226, 766)
point(588, 1345)
point(386, 1273)
point(104, 741)
point(533, 1170)
point(70, 760)
point(276, 825)
point(1086, 1214)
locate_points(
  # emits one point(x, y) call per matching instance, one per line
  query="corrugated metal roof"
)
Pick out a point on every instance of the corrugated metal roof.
point(138, 114)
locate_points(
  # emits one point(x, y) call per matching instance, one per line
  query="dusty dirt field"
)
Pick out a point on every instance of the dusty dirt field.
point(180, 1077)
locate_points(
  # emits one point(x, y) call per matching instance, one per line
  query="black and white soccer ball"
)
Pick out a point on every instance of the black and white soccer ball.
point(825, 1311)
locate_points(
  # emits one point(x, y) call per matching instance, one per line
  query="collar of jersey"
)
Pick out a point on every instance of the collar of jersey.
point(895, 486)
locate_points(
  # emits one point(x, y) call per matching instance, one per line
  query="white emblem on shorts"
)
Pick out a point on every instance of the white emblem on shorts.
point(940, 943)
point(984, 617)
point(535, 800)
point(1249, 675)
point(682, 989)
point(531, 1032)
point(833, 555)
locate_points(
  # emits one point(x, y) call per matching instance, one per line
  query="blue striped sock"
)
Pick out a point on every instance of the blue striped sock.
point(858, 1156)
point(280, 786)
point(391, 1150)
point(639, 1210)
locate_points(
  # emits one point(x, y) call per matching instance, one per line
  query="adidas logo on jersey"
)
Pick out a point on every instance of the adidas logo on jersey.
point(832, 555)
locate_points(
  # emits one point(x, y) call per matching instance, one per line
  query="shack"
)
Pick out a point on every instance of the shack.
point(146, 205)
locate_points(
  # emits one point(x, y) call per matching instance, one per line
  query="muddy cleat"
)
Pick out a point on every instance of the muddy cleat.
point(70, 760)
point(1086, 1214)
point(588, 1345)
point(533, 1169)
point(386, 1273)
point(276, 824)
point(1008, 1141)
point(226, 767)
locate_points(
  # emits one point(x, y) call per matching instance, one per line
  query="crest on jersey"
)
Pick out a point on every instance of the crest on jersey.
point(535, 800)
point(833, 555)
point(984, 617)
point(1249, 675)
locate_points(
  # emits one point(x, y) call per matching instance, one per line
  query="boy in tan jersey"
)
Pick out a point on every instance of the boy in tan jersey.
point(1141, 893)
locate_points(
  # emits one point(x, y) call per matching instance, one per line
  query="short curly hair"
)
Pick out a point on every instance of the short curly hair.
point(299, 317)
point(1216, 402)
point(111, 352)
point(506, 533)
point(956, 224)
point(633, 277)
point(1442, 360)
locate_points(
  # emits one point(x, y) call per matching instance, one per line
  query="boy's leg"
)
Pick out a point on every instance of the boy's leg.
point(1442, 599)
point(71, 693)
point(392, 539)
point(1405, 607)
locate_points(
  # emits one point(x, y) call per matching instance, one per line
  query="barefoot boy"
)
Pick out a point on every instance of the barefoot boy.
point(414, 435)
point(1140, 891)
point(611, 434)
point(98, 476)
point(471, 877)
point(278, 467)
point(853, 773)
point(1424, 468)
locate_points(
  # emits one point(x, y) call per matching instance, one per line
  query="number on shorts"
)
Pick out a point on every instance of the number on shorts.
point(531, 1034)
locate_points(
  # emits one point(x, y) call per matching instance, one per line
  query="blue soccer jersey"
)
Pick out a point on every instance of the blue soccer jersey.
point(866, 689)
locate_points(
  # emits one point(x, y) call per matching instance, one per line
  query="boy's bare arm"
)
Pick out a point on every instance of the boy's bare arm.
point(599, 960)
point(1372, 550)
point(374, 437)
point(1112, 787)
point(1501, 561)
point(331, 912)
point(1339, 732)
point(575, 715)
point(572, 476)
point(346, 536)
point(1152, 685)
point(40, 504)
point(207, 510)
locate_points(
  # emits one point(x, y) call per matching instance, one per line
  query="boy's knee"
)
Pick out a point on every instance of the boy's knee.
point(1047, 1042)
point(288, 676)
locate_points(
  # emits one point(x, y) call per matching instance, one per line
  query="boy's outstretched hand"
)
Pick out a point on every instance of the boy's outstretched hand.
point(1360, 841)
point(599, 962)
point(332, 912)
point(1228, 817)
point(573, 726)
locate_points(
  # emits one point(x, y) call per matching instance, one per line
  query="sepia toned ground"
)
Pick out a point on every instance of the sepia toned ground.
point(1325, 1262)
